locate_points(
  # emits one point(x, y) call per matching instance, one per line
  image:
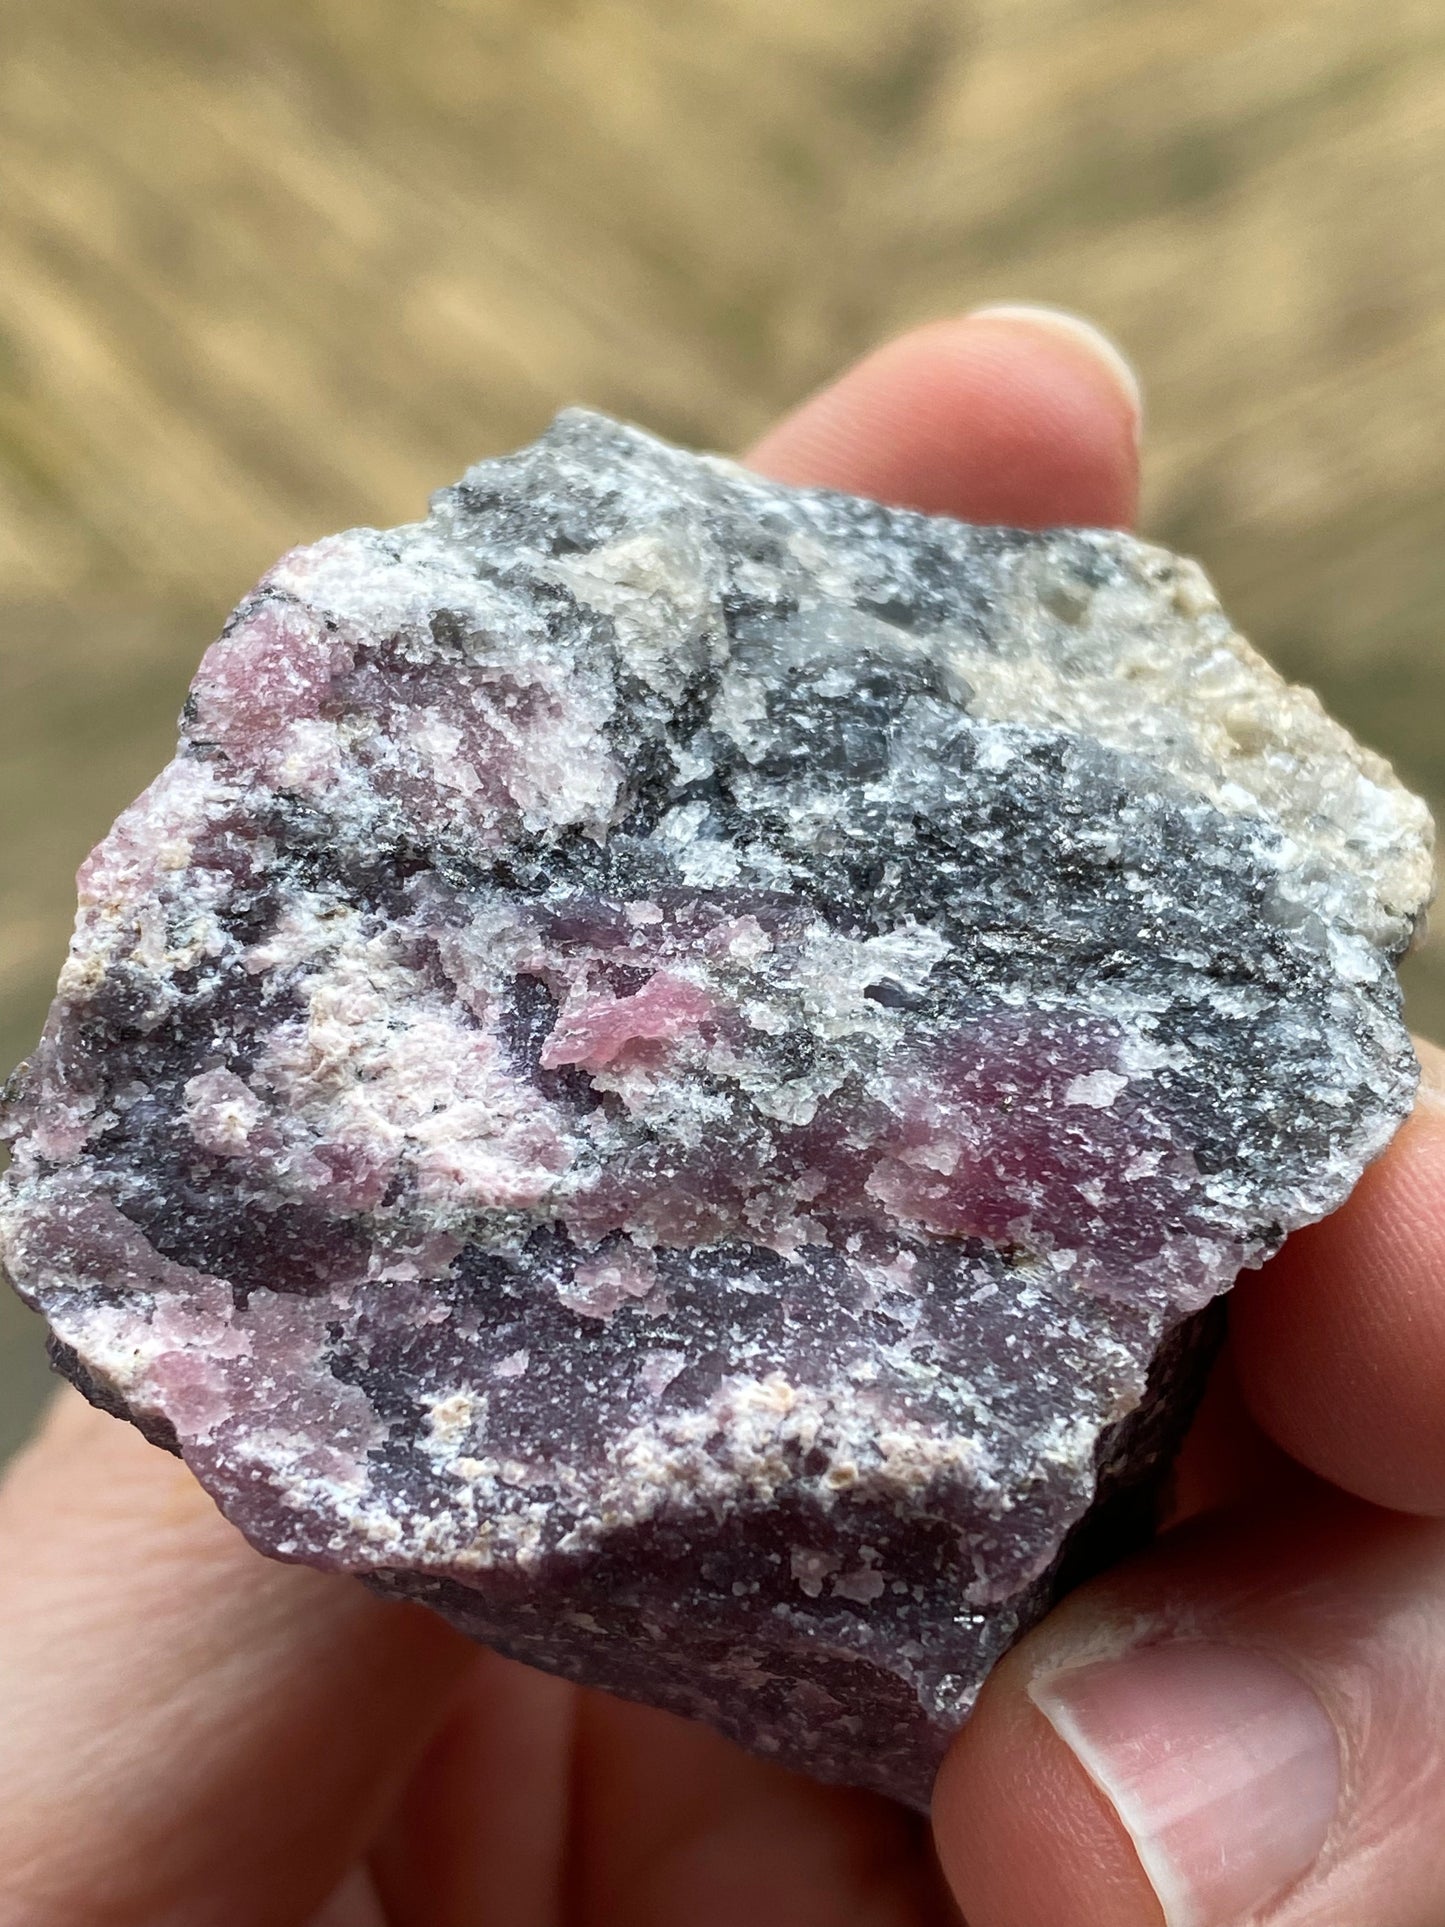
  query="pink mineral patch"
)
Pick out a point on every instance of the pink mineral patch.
point(272, 670)
point(596, 1030)
point(1026, 1133)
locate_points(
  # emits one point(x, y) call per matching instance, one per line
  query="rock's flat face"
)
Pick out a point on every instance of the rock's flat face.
point(671, 1055)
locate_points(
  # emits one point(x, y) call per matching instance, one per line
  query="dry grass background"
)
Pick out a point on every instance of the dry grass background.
point(270, 267)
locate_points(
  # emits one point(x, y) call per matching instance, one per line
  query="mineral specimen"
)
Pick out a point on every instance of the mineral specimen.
point(675, 1063)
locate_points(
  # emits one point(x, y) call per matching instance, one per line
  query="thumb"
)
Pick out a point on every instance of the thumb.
point(1243, 1724)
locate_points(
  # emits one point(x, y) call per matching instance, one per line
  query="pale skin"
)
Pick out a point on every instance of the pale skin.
point(191, 1736)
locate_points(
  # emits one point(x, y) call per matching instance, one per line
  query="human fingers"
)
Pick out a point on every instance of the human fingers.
point(540, 1801)
point(1339, 1344)
point(1242, 1725)
point(190, 1735)
point(671, 1823)
point(1013, 415)
point(481, 1833)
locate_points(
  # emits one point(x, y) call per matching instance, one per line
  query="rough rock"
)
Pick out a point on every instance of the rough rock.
point(676, 1063)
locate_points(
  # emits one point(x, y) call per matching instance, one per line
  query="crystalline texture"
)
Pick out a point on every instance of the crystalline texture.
point(675, 1063)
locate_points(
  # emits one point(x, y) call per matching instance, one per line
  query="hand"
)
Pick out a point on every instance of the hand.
point(191, 1736)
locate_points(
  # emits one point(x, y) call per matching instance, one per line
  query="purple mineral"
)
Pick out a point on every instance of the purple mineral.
point(677, 1065)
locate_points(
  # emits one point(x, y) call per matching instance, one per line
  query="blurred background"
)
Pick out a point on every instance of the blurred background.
point(273, 267)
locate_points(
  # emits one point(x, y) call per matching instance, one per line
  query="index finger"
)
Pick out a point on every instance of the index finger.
point(1018, 415)
point(1339, 1343)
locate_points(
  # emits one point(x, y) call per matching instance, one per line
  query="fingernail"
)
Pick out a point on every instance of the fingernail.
point(1222, 1766)
point(1083, 334)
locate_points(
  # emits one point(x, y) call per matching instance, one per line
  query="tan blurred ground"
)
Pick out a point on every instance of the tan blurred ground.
point(269, 267)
